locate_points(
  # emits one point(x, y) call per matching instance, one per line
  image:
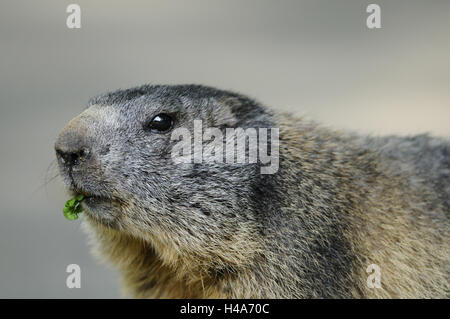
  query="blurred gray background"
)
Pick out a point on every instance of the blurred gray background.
point(313, 58)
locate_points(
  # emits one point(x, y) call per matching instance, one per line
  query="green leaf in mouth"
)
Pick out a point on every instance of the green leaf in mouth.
point(73, 207)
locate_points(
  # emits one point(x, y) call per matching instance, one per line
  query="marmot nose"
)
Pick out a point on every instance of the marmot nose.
point(71, 146)
point(71, 158)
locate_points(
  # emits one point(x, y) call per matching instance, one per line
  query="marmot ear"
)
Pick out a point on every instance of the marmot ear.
point(220, 112)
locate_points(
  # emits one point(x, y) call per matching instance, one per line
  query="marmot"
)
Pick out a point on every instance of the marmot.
point(338, 203)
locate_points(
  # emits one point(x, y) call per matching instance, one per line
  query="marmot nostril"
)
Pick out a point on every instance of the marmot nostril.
point(71, 158)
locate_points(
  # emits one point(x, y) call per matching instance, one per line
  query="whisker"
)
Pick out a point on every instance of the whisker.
point(47, 180)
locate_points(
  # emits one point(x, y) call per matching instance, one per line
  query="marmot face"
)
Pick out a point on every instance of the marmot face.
point(118, 154)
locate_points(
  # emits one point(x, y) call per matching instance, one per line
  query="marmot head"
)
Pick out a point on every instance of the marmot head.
point(118, 153)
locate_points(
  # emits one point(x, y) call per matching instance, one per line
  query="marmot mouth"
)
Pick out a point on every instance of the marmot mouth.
point(75, 190)
point(87, 195)
point(91, 200)
point(101, 208)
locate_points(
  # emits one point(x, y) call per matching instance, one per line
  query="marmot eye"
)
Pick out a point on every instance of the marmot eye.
point(160, 123)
